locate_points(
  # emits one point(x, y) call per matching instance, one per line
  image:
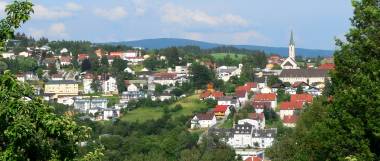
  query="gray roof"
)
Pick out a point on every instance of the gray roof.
point(304, 73)
point(61, 82)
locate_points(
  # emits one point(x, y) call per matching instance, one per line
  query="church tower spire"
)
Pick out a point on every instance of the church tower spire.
point(292, 47)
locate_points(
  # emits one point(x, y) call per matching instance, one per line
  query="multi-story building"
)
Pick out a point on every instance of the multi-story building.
point(84, 104)
point(61, 87)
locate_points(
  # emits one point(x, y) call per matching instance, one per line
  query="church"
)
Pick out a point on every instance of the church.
point(290, 62)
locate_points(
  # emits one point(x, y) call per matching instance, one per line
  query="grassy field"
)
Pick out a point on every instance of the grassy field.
point(189, 104)
point(143, 114)
point(232, 55)
point(228, 123)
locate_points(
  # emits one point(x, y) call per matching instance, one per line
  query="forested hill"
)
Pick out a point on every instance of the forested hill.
point(169, 42)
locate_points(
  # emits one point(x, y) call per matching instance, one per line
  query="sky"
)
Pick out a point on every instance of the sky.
point(316, 23)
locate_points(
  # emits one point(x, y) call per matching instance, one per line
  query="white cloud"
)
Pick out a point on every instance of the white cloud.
point(140, 6)
point(73, 6)
point(177, 14)
point(3, 4)
point(247, 37)
point(58, 29)
point(111, 14)
point(42, 12)
point(54, 31)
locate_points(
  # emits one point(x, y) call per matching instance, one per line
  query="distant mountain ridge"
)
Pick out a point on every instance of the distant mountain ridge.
point(169, 42)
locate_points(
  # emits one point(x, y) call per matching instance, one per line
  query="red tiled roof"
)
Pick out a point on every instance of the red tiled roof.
point(240, 93)
point(291, 105)
point(251, 85)
point(329, 66)
point(256, 116)
point(164, 75)
point(265, 97)
point(116, 54)
point(82, 56)
point(205, 116)
point(289, 119)
point(296, 84)
point(253, 159)
point(242, 88)
point(205, 94)
point(217, 94)
point(220, 108)
point(65, 59)
point(308, 98)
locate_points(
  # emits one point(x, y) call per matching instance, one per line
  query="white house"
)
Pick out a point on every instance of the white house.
point(24, 54)
point(8, 55)
point(132, 87)
point(84, 104)
point(242, 96)
point(226, 72)
point(66, 100)
point(229, 100)
point(110, 86)
point(246, 136)
point(257, 120)
point(289, 108)
point(203, 120)
point(87, 80)
point(168, 79)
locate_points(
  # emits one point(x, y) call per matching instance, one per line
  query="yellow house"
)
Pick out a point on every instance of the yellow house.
point(61, 87)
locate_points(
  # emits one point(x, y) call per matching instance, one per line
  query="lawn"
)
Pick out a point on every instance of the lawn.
point(232, 55)
point(189, 104)
point(143, 114)
point(228, 123)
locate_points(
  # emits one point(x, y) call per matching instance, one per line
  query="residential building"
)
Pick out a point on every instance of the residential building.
point(229, 100)
point(215, 95)
point(304, 98)
point(242, 96)
point(254, 158)
point(61, 87)
point(226, 72)
point(290, 120)
point(257, 120)
point(87, 81)
point(131, 95)
point(203, 120)
point(267, 97)
point(260, 106)
point(85, 104)
point(65, 60)
point(8, 55)
point(222, 111)
point(246, 136)
point(168, 79)
point(290, 108)
point(110, 86)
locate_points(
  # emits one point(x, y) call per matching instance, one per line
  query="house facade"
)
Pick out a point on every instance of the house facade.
point(203, 120)
point(62, 87)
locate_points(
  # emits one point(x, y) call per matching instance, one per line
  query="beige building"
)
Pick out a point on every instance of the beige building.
point(61, 87)
point(309, 76)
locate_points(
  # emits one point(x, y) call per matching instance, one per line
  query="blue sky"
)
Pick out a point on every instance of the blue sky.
point(253, 22)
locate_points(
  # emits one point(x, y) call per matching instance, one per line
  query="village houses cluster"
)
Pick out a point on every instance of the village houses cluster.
point(74, 88)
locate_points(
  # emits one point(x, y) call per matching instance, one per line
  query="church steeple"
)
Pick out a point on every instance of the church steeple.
point(292, 47)
point(292, 39)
